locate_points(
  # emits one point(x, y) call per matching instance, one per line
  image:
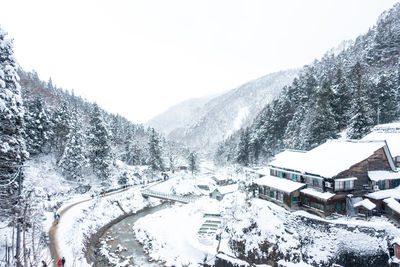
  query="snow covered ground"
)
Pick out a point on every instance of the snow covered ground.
point(260, 232)
point(85, 219)
point(50, 192)
point(255, 230)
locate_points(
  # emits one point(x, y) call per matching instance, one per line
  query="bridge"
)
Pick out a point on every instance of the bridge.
point(165, 196)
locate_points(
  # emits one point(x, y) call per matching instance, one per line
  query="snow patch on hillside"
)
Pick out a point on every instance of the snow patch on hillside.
point(239, 120)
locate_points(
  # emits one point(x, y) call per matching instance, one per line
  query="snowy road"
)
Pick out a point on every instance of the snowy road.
point(63, 212)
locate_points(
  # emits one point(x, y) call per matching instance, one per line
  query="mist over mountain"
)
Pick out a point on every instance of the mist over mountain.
point(202, 123)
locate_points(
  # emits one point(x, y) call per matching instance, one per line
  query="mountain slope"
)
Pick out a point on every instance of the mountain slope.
point(353, 90)
point(208, 122)
point(179, 115)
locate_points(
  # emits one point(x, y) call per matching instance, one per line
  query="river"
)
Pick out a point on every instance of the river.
point(121, 234)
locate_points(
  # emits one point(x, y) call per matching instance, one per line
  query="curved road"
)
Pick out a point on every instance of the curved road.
point(54, 249)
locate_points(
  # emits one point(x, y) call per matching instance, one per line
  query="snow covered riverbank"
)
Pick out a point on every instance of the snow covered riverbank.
point(261, 232)
point(85, 219)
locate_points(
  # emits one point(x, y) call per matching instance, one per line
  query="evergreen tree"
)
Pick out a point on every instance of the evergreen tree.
point(155, 152)
point(133, 153)
point(243, 153)
point(12, 144)
point(341, 100)
point(324, 125)
point(361, 120)
point(73, 159)
point(193, 162)
point(100, 155)
point(61, 121)
point(387, 100)
point(37, 126)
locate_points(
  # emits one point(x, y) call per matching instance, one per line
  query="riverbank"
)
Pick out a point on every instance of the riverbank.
point(93, 246)
point(84, 220)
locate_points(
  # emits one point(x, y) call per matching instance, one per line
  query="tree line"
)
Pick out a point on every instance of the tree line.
point(345, 93)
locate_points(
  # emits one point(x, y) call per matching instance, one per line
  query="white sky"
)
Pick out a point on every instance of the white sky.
point(137, 58)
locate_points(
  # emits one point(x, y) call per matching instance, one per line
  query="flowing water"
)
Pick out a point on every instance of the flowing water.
point(121, 234)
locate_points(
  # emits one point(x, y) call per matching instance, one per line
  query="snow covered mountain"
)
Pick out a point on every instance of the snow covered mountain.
point(179, 115)
point(202, 123)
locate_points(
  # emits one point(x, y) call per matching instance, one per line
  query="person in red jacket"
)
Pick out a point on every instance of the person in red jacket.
point(59, 263)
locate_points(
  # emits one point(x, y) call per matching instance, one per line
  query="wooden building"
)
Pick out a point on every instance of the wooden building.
point(333, 170)
point(322, 203)
point(280, 191)
point(391, 134)
point(365, 207)
point(220, 192)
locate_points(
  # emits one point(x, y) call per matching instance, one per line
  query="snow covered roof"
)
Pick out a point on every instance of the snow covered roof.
point(396, 241)
point(383, 175)
point(382, 194)
point(387, 127)
point(317, 194)
point(392, 140)
point(393, 204)
point(263, 171)
point(330, 158)
point(227, 189)
point(281, 184)
point(366, 203)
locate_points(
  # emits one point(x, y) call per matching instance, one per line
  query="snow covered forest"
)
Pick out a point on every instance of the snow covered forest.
point(70, 171)
point(346, 92)
point(39, 119)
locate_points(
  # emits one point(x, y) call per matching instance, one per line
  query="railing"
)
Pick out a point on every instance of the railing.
point(166, 196)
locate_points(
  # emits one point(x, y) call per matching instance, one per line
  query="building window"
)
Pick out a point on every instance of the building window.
point(279, 196)
point(294, 177)
point(315, 182)
point(330, 208)
point(305, 201)
point(344, 185)
point(317, 206)
point(339, 206)
point(295, 199)
point(347, 185)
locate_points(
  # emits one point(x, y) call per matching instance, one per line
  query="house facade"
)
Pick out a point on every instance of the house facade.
point(332, 171)
point(280, 191)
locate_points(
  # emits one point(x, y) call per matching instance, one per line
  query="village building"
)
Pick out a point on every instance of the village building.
point(220, 192)
point(332, 171)
point(392, 208)
point(379, 198)
point(395, 254)
point(280, 191)
point(391, 134)
point(365, 207)
point(221, 180)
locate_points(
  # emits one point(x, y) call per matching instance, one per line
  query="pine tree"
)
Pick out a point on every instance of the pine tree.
point(387, 100)
point(193, 162)
point(73, 159)
point(133, 153)
point(100, 155)
point(243, 150)
point(155, 152)
point(61, 121)
point(324, 125)
point(12, 144)
point(341, 99)
point(37, 126)
point(361, 120)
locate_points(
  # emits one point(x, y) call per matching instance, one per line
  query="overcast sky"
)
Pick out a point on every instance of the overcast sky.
point(137, 58)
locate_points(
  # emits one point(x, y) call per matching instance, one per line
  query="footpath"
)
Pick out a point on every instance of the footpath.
point(54, 248)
